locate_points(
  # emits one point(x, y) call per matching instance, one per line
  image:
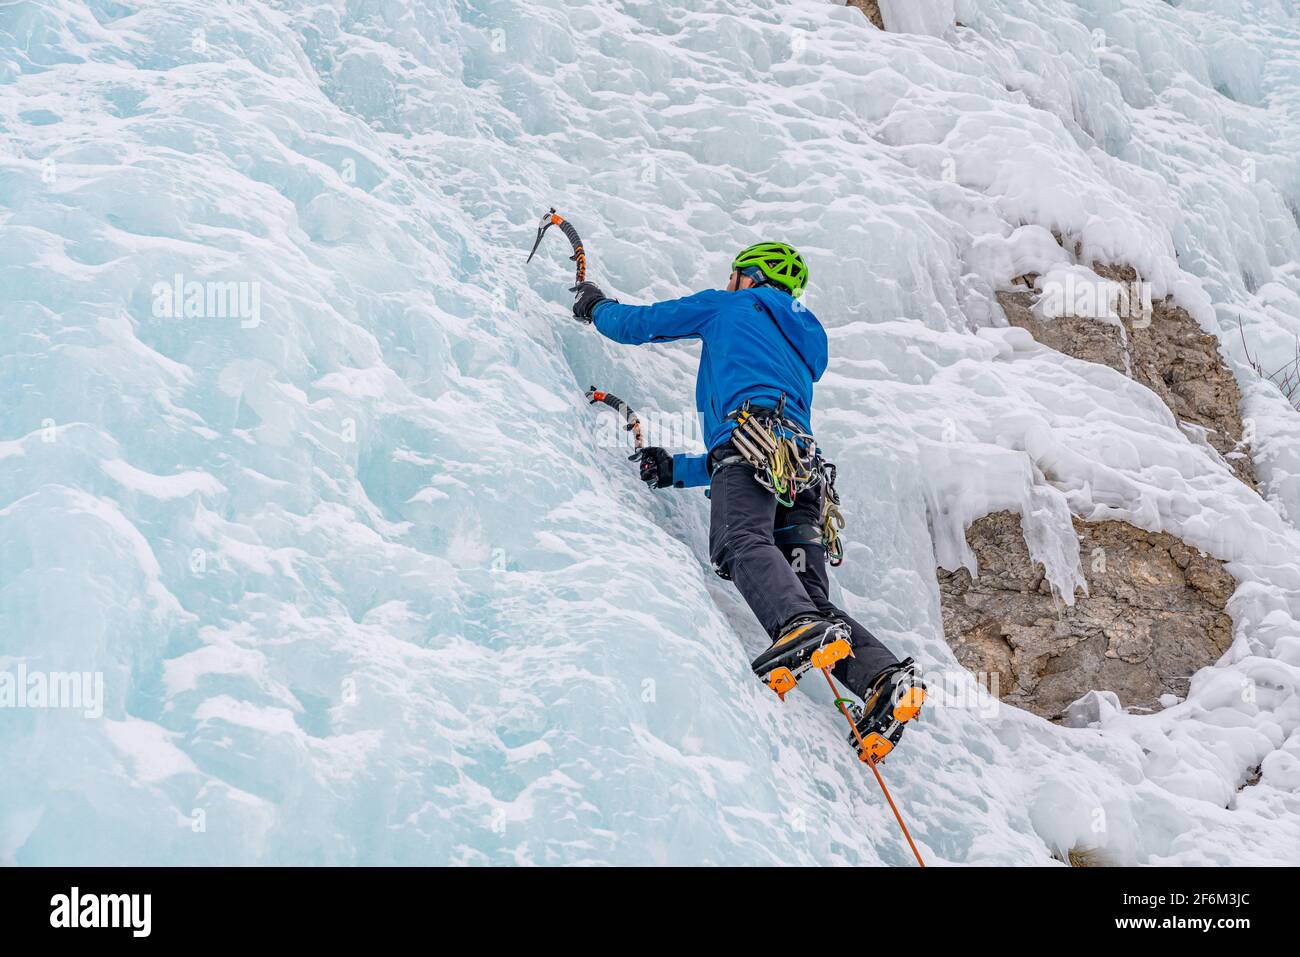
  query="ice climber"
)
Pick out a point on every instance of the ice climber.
point(772, 502)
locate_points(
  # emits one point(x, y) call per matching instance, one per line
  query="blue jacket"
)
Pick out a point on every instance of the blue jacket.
point(757, 346)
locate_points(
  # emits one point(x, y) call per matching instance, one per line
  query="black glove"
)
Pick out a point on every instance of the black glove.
point(656, 467)
point(587, 296)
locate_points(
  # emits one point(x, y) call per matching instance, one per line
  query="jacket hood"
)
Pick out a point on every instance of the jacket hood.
point(800, 327)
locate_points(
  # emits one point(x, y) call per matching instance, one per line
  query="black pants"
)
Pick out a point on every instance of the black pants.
point(781, 581)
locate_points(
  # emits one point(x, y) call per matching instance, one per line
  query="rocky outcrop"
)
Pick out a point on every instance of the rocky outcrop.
point(1164, 349)
point(872, 9)
point(1153, 616)
point(1154, 612)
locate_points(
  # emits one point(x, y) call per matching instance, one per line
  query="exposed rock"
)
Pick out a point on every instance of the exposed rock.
point(872, 9)
point(1165, 350)
point(1154, 615)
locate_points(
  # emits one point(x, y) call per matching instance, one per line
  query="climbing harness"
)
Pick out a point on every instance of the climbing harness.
point(579, 254)
point(781, 454)
point(786, 461)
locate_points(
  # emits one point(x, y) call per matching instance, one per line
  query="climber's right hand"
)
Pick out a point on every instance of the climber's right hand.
point(656, 467)
point(586, 297)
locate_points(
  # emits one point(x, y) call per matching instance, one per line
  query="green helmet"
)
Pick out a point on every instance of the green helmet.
point(779, 262)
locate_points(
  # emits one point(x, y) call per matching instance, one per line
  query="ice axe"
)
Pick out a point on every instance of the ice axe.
point(631, 422)
point(579, 256)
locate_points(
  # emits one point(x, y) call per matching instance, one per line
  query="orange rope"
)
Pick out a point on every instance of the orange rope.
point(871, 764)
point(899, 817)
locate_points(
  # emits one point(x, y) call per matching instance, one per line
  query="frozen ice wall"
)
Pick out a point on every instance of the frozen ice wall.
point(294, 455)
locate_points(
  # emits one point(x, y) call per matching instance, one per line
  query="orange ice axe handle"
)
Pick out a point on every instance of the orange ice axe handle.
point(631, 423)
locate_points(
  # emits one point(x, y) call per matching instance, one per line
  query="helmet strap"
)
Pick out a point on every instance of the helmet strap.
point(755, 275)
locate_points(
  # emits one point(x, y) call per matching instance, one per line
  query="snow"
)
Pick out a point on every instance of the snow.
point(364, 586)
